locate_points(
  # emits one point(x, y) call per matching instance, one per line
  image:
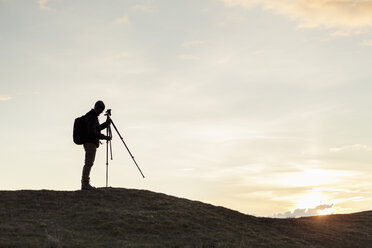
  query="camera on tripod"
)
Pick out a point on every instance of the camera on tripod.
point(108, 113)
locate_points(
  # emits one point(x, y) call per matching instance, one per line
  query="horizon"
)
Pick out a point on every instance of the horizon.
point(255, 105)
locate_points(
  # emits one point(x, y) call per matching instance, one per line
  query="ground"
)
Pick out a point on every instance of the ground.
point(113, 217)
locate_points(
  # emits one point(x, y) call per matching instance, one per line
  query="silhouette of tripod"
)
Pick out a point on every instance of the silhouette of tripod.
point(109, 146)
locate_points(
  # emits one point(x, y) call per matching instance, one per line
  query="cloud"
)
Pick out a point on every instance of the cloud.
point(317, 13)
point(311, 177)
point(303, 212)
point(367, 43)
point(348, 32)
point(123, 20)
point(144, 8)
point(348, 199)
point(5, 98)
point(334, 190)
point(355, 147)
point(42, 5)
point(192, 43)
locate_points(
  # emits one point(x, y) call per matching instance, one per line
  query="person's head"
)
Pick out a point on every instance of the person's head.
point(99, 107)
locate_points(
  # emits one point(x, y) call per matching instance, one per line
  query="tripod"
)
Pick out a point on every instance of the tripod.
point(109, 146)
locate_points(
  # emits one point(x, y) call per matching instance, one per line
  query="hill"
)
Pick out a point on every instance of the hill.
point(115, 217)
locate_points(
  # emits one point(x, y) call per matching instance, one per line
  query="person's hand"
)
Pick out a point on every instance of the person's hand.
point(108, 138)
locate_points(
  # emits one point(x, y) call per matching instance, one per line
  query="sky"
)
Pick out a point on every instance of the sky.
point(260, 106)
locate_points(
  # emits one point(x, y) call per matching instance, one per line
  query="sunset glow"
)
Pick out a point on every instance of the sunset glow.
point(312, 200)
point(255, 105)
point(327, 211)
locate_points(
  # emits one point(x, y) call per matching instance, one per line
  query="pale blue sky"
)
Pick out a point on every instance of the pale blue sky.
point(260, 106)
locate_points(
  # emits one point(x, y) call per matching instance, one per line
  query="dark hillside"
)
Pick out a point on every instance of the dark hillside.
point(135, 218)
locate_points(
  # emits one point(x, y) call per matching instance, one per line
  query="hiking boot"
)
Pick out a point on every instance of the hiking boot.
point(87, 186)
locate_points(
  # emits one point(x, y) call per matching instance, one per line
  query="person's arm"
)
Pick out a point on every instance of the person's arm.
point(92, 129)
point(105, 124)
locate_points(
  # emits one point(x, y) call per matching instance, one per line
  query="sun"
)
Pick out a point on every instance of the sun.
point(313, 200)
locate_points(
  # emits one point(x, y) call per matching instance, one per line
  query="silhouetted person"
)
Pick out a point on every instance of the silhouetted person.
point(92, 141)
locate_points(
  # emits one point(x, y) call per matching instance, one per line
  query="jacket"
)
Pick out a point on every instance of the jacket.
point(94, 128)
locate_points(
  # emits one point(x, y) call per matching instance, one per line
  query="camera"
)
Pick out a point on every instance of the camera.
point(108, 113)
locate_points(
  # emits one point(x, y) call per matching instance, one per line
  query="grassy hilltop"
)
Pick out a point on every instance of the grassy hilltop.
point(134, 218)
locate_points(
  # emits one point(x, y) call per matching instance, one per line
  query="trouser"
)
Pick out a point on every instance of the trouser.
point(90, 155)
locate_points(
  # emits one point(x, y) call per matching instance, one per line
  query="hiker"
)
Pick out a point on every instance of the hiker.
point(91, 142)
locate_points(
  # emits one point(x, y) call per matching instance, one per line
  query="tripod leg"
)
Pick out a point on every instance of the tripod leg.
point(110, 133)
point(127, 148)
point(107, 147)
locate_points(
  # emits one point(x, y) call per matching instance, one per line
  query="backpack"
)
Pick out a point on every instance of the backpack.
point(80, 131)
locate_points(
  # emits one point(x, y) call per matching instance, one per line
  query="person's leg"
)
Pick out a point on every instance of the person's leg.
point(90, 154)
